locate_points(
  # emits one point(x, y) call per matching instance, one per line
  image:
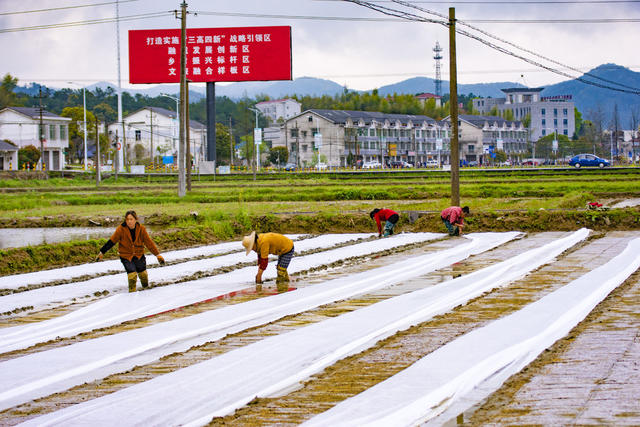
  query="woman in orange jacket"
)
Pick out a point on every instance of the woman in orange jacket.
point(132, 237)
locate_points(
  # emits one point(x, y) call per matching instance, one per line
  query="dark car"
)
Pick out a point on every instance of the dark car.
point(291, 167)
point(587, 160)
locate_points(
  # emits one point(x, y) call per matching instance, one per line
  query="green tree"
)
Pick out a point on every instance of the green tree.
point(501, 156)
point(494, 111)
point(7, 96)
point(76, 130)
point(279, 155)
point(578, 120)
point(29, 154)
point(508, 115)
point(105, 112)
point(526, 122)
point(223, 144)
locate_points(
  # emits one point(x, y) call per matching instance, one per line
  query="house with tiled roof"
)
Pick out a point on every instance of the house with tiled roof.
point(157, 129)
point(365, 136)
point(480, 136)
point(424, 97)
point(20, 126)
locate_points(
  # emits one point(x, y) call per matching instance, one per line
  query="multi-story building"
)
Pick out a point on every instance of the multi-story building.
point(157, 129)
point(551, 114)
point(21, 125)
point(479, 136)
point(424, 97)
point(365, 136)
point(279, 110)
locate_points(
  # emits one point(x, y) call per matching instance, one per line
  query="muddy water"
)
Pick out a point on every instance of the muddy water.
point(18, 237)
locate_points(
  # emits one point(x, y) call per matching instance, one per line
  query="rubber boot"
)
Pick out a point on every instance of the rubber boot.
point(133, 278)
point(282, 280)
point(144, 279)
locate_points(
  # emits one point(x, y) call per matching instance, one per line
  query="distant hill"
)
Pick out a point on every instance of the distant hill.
point(587, 97)
point(417, 85)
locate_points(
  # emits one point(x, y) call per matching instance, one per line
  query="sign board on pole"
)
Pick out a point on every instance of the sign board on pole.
point(167, 160)
point(554, 145)
point(317, 140)
point(257, 136)
point(213, 54)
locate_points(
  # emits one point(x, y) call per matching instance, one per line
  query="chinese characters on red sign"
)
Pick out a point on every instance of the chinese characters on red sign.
point(213, 55)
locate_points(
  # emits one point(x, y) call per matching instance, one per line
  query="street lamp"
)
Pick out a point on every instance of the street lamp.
point(175, 130)
point(84, 109)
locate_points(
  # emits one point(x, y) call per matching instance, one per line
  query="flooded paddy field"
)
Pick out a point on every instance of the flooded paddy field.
point(588, 376)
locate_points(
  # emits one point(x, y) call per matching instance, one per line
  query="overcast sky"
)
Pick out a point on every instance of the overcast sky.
point(358, 53)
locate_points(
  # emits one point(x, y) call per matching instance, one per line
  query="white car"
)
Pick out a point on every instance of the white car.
point(321, 166)
point(372, 165)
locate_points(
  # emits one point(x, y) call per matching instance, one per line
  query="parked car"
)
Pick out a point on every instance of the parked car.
point(372, 165)
point(291, 167)
point(407, 165)
point(473, 163)
point(587, 160)
point(321, 166)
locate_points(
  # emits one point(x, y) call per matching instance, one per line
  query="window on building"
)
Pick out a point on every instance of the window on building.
point(304, 133)
point(472, 148)
point(555, 112)
point(294, 133)
point(304, 147)
point(138, 135)
point(52, 132)
point(565, 111)
point(544, 132)
point(63, 132)
point(314, 131)
point(543, 111)
point(310, 118)
point(372, 132)
point(566, 132)
point(544, 122)
point(565, 122)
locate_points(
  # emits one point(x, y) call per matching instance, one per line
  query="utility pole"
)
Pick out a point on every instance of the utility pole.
point(453, 108)
point(40, 133)
point(183, 110)
point(97, 151)
point(123, 148)
point(188, 139)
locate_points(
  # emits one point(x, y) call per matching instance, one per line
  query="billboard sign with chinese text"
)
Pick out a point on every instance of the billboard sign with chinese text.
point(213, 55)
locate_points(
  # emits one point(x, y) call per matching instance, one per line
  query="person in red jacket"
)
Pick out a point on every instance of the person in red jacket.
point(132, 237)
point(390, 217)
point(453, 219)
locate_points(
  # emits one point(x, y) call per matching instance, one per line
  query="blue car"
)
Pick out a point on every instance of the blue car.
point(587, 160)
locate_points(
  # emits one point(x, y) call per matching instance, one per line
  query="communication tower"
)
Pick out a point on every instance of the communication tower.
point(438, 57)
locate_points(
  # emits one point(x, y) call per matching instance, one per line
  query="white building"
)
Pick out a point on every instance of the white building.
point(480, 136)
point(364, 135)
point(551, 114)
point(20, 125)
point(424, 97)
point(157, 129)
point(279, 109)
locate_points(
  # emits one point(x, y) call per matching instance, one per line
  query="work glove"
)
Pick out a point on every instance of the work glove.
point(99, 257)
point(160, 259)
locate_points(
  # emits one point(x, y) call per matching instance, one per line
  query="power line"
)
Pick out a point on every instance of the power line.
point(63, 8)
point(407, 4)
point(410, 16)
point(509, 2)
point(87, 22)
point(361, 19)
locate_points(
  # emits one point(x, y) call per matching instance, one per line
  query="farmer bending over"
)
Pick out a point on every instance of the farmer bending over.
point(390, 217)
point(453, 218)
point(132, 237)
point(270, 243)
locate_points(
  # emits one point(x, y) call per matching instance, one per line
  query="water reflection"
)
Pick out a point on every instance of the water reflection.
point(18, 237)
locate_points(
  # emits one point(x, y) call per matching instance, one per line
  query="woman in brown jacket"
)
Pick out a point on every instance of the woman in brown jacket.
point(132, 237)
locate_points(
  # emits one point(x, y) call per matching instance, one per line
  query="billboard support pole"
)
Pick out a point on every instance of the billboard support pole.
point(211, 122)
point(182, 190)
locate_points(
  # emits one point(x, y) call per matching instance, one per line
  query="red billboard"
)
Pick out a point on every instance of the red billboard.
point(213, 54)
